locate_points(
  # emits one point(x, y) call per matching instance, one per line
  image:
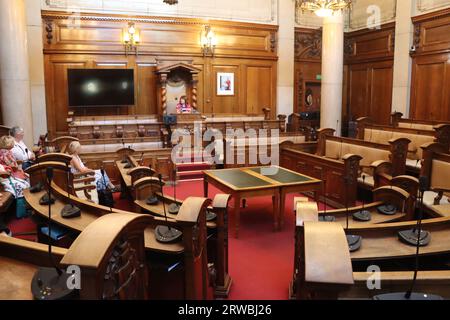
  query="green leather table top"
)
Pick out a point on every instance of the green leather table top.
point(257, 177)
point(239, 178)
point(281, 175)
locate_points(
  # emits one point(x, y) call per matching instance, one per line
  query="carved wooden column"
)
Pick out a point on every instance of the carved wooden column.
point(163, 82)
point(194, 83)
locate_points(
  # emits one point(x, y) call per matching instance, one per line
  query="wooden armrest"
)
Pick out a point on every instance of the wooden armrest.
point(381, 166)
point(84, 180)
point(327, 258)
point(220, 201)
point(306, 211)
point(85, 187)
point(440, 189)
point(81, 174)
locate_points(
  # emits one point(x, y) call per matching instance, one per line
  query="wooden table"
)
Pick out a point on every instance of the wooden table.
point(249, 182)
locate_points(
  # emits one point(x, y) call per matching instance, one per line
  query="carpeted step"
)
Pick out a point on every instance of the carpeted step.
point(193, 166)
point(190, 175)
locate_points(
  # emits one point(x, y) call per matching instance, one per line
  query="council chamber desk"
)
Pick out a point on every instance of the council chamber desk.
point(250, 182)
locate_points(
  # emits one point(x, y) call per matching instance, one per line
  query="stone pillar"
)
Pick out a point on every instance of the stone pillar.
point(285, 77)
point(332, 72)
point(404, 31)
point(14, 68)
point(36, 62)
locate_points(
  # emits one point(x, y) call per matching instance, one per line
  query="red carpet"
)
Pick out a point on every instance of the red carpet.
point(261, 261)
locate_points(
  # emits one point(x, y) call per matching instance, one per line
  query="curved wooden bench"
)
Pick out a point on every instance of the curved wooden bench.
point(382, 195)
point(90, 212)
point(219, 228)
point(323, 269)
point(118, 243)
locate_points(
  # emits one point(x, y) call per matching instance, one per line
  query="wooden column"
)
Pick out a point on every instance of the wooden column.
point(194, 83)
point(163, 82)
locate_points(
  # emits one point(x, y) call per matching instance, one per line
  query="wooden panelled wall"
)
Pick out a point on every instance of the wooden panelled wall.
point(368, 71)
point(368, 76)
point(94, 41)
point(430, 79)
point(308, 54)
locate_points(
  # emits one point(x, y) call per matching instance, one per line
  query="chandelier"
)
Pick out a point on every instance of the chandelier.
point(323, 8)
point(170, 2)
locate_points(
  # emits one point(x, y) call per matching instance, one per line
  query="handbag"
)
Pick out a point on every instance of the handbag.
point(21, 205)
point(105, 196)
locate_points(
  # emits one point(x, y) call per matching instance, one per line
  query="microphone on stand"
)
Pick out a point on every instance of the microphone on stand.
point(152, 199)
point(324, 217)
point(362, 215)
point(418, 238)
point(174, 207)
point(124, 160)
point(69, 210)
point(166, 234)
point(354, 241)
point(50, 283)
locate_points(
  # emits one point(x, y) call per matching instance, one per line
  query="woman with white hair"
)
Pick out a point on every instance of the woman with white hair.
point(20, 151)
point(77, 166)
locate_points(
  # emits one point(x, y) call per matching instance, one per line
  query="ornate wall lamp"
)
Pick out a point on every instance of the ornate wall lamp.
point(208, 41)
point(131, 38)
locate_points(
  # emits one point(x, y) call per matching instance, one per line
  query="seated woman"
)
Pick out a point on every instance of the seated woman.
point(20, 151)
point(77, 166)
point(13, 179)
point(183, 106)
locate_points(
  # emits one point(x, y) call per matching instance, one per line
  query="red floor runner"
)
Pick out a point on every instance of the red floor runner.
point(261, 261)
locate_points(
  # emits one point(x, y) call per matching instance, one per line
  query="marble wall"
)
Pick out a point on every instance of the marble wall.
point(425, 6)
point(259, 11)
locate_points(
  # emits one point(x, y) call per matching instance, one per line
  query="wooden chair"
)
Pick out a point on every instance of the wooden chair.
point(80, 184)
point(54, 157)
point(4, 130)
point(436, 167)
point(61, 144)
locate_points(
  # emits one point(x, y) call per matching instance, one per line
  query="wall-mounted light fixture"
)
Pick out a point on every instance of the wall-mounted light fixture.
point(208, 41)
point(131, 38)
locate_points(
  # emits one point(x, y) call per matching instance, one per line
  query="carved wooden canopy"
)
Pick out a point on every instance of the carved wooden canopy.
point(166, 71)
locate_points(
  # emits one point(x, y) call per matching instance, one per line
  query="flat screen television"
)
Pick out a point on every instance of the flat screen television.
point(100, 87)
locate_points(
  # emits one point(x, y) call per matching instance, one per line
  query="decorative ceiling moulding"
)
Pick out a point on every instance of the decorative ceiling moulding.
point(429, 5)
point(362, 10)
point(151, 8)
point(109, 17)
